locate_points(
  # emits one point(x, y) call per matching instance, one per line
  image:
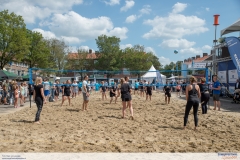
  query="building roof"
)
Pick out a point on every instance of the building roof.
point(201, 59)
point(77, 55)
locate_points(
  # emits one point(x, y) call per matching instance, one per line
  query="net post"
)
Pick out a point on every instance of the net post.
point(30, 83)
point(206, 75)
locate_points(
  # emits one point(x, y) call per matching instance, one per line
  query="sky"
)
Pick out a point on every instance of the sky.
point(161, 26)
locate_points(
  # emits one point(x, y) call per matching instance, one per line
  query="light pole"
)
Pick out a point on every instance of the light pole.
point(215, 42)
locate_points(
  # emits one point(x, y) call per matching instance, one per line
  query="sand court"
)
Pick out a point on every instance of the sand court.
point(156, 128)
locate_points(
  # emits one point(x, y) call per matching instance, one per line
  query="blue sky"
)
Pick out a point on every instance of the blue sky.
point(160, 25)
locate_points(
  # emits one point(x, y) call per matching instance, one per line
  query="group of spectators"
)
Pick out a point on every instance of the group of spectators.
point(12, 91)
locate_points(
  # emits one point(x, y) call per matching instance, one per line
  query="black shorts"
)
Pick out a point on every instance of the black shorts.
point(168, 94)
point(67, 94)
point(112, 95)
point(136, 89)
point(178, 90)
point(56, 93)
point(79, 89)
point(149, 93)
point(126, 99)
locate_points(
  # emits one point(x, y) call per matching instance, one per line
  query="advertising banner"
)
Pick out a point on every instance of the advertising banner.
point(233, 44)
point(222, 75)
point(232, 76)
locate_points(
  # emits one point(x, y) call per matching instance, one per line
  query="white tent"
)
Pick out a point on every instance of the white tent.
point(232, 28)
point(153, 73)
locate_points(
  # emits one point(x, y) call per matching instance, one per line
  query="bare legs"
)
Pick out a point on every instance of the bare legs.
point(84, 105)
point(217, 104)
point(125, 105)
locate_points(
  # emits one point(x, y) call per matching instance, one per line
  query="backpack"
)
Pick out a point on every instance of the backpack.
point(50, 99)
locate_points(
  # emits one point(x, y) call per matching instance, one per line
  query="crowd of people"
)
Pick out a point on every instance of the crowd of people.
point(43, 91)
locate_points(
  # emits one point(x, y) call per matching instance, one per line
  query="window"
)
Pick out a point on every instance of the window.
point(19, 73)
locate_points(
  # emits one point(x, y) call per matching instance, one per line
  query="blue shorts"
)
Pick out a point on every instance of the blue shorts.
point(46, 92)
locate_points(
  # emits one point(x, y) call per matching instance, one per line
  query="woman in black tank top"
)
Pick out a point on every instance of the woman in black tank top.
point(67, 92)
point(192, 97)
point(125, 91)
point(205, 96)
point(39, 98)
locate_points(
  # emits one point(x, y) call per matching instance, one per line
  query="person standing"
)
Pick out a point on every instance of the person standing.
point(178, 88)
point(103, 90)
point(136, 87)
point(125, 92)
point(56, 90)
point(75, 89)
point(148, 91)
point(192, 96)
point(167, 91)
point(85, 91)
point(113, 92)
point(204, 95)
point(216, 92)
point(38, 96)
point(46, 87)
point(67, 92)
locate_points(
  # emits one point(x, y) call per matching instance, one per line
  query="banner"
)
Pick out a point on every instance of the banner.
point(233, 44)
point(222, 76)
point(184, 73)
point(232, 76)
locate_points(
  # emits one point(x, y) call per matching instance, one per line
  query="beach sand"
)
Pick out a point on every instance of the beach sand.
point(156, 128)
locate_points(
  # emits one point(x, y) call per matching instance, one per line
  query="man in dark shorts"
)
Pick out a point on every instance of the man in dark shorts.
point(136, 87)
point(167, 90)
point(216, 92)
point(148, 91)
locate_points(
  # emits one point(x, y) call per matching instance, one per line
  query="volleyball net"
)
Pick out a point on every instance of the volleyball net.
point(157, 78)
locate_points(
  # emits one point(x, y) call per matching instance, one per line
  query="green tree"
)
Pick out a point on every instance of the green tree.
point(109, 49)
point(13, 39)
point(39, 52)
point(58, 54)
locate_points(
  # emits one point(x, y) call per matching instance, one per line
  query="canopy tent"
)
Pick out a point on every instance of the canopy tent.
point(27, 76)
point(232, 28)
point(7, 75)
point(154, 74)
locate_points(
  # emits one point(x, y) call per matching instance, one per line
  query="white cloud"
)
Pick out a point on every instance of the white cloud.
point(31, 10)
point(129, 4)
point(164, 61)
point(71, 40)
point(45, 34)
point(150, 49)
point(179, 7)
point(123, 46)
point(177, 43)
point(191, 51)
point(196, 50)
point(131, 19)
point(175, 25)
point(72, 24)
point(146, 9)
point(112, 2)
point(118, 32)
point(206, 47)
point(207, 9)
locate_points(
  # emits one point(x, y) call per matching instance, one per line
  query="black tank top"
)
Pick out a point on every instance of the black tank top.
point(203, 87)
point(193, 94)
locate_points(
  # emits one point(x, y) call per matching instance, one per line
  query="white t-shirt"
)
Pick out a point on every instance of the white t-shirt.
point(46, 85)
point(84, 84)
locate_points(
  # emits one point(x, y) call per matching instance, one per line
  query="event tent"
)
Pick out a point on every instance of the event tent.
point(154, 74)
point(232, 28)
point(7, 75)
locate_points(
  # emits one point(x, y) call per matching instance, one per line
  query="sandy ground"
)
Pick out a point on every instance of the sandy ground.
point(156, 128)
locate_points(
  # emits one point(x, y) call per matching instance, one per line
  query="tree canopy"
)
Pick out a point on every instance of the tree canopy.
point(14, 43)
